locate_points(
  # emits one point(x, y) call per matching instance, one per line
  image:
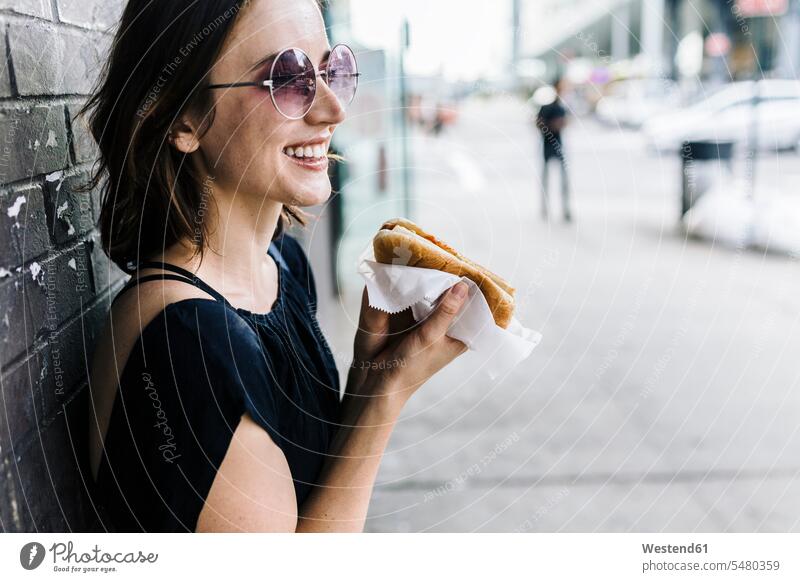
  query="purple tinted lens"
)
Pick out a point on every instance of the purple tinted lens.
point(294, 83)
point(341, 73)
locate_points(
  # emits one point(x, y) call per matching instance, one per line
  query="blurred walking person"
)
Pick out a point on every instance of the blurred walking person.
point(551, 120)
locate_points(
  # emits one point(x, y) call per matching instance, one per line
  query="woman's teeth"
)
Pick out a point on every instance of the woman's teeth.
point(316, 151)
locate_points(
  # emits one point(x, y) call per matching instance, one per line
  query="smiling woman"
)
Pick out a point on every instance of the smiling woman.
point(160, 66)
point(215, 398)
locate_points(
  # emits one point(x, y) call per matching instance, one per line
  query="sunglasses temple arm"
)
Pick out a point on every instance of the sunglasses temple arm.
point(244, 84)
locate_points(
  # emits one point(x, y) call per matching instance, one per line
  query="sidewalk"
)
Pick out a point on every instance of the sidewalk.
point(664, 396)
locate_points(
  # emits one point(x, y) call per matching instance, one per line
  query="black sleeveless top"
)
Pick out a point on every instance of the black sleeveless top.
point(194, 371)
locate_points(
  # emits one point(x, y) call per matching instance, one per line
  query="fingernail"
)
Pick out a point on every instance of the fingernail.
point(460, 290)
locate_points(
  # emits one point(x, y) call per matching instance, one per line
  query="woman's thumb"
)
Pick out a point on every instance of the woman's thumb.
point(449, 306)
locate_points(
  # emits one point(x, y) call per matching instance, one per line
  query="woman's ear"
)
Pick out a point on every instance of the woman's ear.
point(183, 136)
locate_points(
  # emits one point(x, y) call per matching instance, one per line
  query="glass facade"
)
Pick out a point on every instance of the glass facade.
point(369, 185)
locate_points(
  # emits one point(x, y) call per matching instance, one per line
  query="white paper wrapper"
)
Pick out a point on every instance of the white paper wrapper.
point(393, 288)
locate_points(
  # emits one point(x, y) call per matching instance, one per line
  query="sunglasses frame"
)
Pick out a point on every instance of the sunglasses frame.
point(270, 83)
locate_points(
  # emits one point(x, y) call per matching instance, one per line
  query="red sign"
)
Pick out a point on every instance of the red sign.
point(751, 8)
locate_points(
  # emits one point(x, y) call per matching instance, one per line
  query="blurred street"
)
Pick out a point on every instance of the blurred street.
point(664, 395)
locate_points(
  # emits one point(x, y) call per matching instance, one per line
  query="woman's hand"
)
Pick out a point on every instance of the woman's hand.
point(394, 355)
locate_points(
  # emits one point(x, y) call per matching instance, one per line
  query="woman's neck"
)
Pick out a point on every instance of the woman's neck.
point(238, 232)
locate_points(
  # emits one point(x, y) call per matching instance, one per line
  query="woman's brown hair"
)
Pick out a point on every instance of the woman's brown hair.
point(160, 57)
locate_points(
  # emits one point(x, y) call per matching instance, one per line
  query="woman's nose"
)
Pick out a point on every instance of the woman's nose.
point(327, 108)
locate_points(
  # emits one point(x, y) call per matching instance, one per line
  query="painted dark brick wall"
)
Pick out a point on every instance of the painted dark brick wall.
point(55, 281)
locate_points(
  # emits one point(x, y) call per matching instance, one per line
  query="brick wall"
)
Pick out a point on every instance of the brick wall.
point(55, 281)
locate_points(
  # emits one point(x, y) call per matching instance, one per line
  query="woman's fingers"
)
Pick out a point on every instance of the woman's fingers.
point(401, 323)
point(372, 321)
point(437, 324)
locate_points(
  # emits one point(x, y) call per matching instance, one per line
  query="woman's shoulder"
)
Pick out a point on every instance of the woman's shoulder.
point(209, 325)
point(170, 329)
point(171, 305)
point(172, 322)
point(206, 352)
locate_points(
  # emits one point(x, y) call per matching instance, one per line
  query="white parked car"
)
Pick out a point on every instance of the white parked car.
point(632, 102)
point(729, 114)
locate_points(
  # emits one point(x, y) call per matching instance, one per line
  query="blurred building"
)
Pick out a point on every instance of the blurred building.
point(713, 39)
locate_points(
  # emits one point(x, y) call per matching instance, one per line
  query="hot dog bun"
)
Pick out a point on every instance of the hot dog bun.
point(400, 241)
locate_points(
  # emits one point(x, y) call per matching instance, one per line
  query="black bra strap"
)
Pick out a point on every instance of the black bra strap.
point(183, 275)
point(167, 267)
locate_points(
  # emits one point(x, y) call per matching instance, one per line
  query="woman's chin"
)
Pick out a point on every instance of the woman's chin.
point(313, 197)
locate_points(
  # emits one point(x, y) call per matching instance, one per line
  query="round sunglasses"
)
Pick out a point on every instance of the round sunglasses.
point(292, 80)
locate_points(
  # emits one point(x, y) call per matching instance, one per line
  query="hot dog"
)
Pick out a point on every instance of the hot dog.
point(400, 241)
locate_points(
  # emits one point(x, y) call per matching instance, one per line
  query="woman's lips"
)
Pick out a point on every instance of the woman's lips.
point(314, 164)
